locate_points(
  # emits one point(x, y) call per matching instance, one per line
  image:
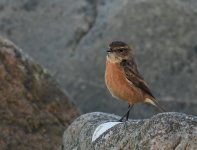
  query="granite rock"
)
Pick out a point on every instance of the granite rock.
point(163, 131)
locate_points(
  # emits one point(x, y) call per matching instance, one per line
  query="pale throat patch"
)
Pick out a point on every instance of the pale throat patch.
point(113, 59)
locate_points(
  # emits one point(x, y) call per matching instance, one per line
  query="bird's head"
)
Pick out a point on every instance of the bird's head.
point(118, 51)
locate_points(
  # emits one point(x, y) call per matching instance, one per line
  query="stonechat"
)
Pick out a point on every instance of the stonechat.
point(123, 79)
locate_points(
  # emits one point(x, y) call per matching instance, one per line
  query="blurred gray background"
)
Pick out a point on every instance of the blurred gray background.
point(70, 39)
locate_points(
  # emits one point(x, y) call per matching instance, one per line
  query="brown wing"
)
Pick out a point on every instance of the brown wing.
point(133, 75)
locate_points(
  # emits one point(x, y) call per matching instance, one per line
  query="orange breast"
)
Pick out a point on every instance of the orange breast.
point(119, 86)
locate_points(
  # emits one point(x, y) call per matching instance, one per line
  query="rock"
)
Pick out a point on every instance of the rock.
point(34, 111)
point(70, 39)
point(162, 131)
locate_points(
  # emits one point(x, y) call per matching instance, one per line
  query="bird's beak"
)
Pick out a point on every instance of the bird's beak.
point(109, 50)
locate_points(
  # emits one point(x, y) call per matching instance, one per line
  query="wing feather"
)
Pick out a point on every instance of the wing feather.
point(133, 75)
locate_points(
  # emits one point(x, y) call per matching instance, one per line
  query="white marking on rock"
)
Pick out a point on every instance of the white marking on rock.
point(102, 128)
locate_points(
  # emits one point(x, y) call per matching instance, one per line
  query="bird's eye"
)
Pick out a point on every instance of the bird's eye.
point(121, 50)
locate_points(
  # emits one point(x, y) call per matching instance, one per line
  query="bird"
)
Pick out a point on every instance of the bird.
point(123, 79)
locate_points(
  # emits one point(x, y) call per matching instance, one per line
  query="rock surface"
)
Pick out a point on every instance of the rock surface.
point(70, 39)
point(162, 131)
point(33, 109)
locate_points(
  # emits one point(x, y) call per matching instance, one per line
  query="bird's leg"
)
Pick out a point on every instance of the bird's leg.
point(126, 114)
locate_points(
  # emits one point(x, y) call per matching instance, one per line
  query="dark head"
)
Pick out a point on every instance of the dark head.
point(118, 51)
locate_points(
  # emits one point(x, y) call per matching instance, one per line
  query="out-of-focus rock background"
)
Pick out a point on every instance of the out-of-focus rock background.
point(70, 38)
point(34, 111)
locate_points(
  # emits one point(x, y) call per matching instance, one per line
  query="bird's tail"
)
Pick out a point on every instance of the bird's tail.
point(155, 103)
